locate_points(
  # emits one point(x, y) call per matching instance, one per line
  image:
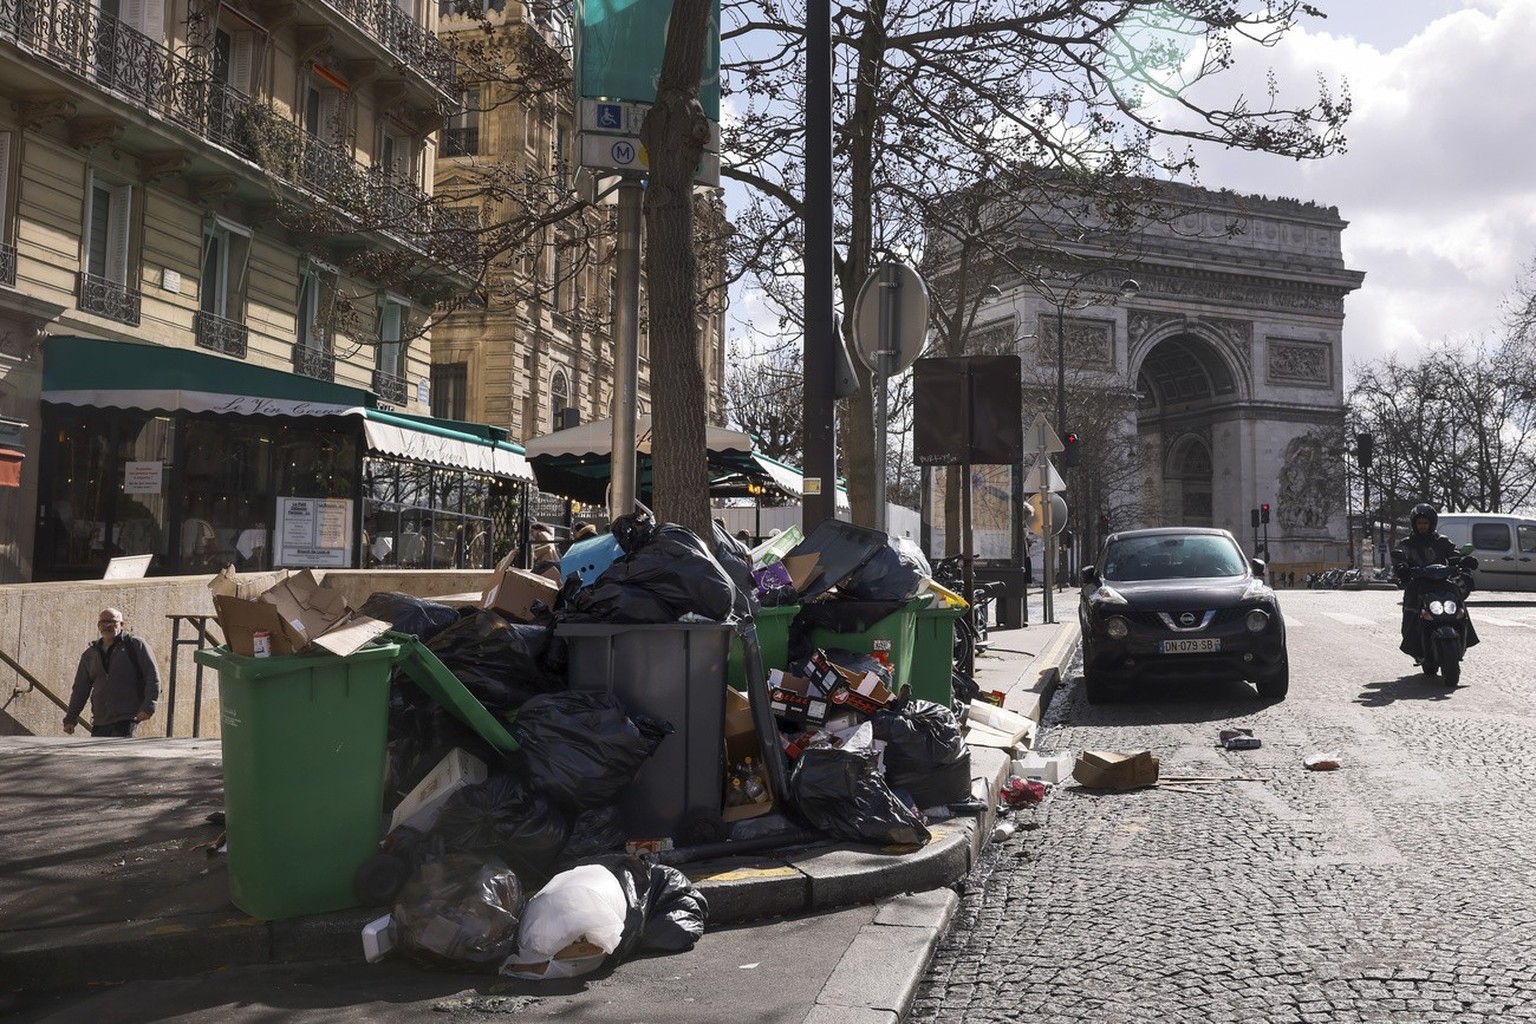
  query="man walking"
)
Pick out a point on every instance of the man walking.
point(118, 675)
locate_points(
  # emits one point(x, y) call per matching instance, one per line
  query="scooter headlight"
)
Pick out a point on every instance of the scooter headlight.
point(1450, 607)
point(1438, 607)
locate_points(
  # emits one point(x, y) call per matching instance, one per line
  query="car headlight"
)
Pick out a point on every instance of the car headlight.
point(1106, 595)
point(1258, 590)
point(1256, 620)
point(1117, 627)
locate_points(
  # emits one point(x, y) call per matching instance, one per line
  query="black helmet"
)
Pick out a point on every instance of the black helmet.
point(1424, 510)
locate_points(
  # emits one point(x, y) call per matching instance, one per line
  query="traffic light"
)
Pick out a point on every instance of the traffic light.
point(1255, 516)
point(1264, 512)
point(1070, 455)
point(1364, 443)
point(1104, 523)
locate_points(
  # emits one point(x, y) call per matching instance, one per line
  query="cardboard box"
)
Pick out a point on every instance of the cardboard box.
point(299, 613)
point(1115, 769)
point(421, 807)
point(796, 699)
point(512, 591)
point(741, 742)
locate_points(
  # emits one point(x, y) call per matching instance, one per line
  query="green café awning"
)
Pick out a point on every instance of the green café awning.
point(91, 373)
point(125, 375)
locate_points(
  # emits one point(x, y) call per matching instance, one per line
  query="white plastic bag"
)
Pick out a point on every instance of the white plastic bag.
point(583, 905)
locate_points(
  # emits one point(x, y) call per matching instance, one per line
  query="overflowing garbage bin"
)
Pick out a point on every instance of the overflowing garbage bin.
point(675, 672)
point(304, 741)
point(773, 639)
point(933, 653)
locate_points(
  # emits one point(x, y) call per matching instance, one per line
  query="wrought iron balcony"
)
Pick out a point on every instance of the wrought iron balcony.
point(319, 363)
point(109, 299)
point(389, 387)
point(221, 335)
point(402, 35)
point(7, 264)
point(75, 36)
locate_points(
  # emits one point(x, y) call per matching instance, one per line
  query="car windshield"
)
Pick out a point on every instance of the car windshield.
point(1132, 559)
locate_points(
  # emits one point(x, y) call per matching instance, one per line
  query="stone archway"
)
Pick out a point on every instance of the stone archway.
point(1189, 396)
point(1187, 488)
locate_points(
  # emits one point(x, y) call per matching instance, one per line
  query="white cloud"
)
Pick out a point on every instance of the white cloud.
point(1436, 182)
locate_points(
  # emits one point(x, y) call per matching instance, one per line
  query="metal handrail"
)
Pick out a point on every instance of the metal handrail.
point(36, 684)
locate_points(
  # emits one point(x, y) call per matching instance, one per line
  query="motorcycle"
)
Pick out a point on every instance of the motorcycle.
point(1442, 622)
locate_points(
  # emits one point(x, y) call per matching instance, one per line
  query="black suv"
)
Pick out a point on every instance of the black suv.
point(1179, 602)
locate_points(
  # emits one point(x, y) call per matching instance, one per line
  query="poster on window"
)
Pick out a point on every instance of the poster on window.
point(142, 477)
point(314, 532)
point(991, 511)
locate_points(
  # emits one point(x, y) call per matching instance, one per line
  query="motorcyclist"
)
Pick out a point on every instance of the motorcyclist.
point(1423, 546)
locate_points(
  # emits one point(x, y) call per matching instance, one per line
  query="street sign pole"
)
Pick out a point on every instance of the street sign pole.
point(1048, 525)
point(889, 319)
point(623, 487)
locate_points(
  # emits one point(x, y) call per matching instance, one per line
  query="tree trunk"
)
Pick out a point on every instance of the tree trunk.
point(674, 134)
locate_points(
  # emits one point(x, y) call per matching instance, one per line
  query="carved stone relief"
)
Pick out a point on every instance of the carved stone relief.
point(1300, 362)
point(1311, 484)
point(1088, 342)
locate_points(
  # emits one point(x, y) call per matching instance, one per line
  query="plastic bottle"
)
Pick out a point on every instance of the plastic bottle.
point(752, 782)
point(735, 794)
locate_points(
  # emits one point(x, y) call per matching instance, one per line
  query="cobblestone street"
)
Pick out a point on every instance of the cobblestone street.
point(1400, 888)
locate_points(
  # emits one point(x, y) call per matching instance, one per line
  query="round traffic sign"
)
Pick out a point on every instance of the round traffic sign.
point(909, 312)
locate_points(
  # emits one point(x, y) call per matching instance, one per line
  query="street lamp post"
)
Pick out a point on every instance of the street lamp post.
point(1128, 289)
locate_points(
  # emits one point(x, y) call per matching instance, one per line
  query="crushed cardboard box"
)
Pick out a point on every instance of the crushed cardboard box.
point(513, 591)
point(297, 611)
point(1115, 769)
point(795, 698)
point(741, 742)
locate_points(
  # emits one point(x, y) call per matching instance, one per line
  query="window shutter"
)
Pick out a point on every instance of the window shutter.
point(5, 185)
point(242, 63)
point(151, 19)
point(118, 225)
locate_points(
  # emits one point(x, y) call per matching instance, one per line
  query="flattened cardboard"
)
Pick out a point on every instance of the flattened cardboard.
point(796, 699)
point(803, 570)
point(512, 591)
point(421, 807)
point(1115, 769)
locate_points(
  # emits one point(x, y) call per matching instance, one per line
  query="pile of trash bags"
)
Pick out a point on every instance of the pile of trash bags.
point(525, 870)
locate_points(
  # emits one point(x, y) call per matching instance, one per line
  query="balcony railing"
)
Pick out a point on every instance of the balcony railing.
point(221, 335)
point(7, 264)
point(399, 33)
point(76, 37)
point(319, 363)
point(389, 387)
point(109, 299)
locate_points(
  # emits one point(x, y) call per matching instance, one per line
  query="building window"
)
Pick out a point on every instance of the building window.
point(221, 290)
point(312, 355)
point(462, 135)
point(389, 366)
point(450, 391)
point(397, 154)
point(108, 227)
point(557, 275)
point(559, 397)
point(7, 248)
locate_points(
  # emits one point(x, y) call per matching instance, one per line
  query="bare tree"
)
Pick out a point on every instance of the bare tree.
point(937, 97)
point(765, 394)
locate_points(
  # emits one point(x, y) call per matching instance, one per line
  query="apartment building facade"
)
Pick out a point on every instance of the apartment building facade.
point(219, 253)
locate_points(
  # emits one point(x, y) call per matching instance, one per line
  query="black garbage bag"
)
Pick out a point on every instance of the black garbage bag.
point(925, 753)
point(460, 910)
point(839, 616)
point(632, 530)
point(595, 831)
point(734, 558)
point(842, 793)
point(894, 573)
point(419, 736)
point(408, 613)
point(581, 749)
point(671, 574)
point(666, 911)
point(505, 816)
point(502, 663)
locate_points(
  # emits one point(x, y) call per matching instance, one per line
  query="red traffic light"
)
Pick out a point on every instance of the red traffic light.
point(1264, 513)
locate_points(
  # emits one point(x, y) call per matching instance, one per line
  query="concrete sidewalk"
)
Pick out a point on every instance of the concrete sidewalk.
point(106, 876)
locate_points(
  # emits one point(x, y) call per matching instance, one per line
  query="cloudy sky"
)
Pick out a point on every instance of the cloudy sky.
point(1438, 184)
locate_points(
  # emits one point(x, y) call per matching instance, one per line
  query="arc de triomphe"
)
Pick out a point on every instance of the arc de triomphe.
point(1229, 361)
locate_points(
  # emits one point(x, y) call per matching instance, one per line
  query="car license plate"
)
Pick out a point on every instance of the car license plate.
point(1204, 645)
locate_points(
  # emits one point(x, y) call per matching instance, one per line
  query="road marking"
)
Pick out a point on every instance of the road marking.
point(1479, 618)
point(1350, 620)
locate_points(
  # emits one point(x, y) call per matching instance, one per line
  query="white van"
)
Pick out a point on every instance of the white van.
point(1504, 546)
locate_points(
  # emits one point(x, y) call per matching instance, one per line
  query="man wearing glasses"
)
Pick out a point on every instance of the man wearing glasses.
point(118, 674)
